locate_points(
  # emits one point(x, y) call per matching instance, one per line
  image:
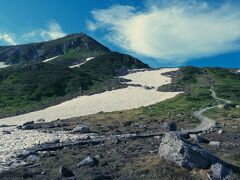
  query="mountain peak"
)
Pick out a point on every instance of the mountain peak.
point(77, 43)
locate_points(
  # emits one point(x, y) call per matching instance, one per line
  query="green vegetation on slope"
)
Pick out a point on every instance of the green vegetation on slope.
point(35, 85)
point(196, 83)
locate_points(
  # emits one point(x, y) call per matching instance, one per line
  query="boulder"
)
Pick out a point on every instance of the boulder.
point(215, 143)
point(102, 177)
point(65, 172)
point(184, 153)
point(220, 131)
point(198, 139)
point(32, 159)
point(6, 132)
point(88, 161)
point(81, 129)
point(26, 126)
point(219, 171)
point(4, 125)
point(114, 138)
point(40, 120)
point(169, 126)
point(28, 123)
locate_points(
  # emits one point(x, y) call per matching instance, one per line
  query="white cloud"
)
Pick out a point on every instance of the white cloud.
point(8, 38)
point(52, 31)
point(173, 32)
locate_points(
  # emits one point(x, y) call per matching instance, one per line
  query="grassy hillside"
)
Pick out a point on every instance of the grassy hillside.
point(36, 85)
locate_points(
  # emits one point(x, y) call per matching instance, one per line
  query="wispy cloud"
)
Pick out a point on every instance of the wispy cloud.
point(9, 39)
point(172, 32)
point(52, 31)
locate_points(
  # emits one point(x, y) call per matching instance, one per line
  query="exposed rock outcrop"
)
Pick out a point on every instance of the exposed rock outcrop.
point(81, 129)
point(184, 153)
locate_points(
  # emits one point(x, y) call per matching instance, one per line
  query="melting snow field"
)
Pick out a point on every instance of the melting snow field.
point(115, 100)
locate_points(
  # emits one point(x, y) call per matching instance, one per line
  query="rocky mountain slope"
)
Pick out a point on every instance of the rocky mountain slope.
point(70, 46)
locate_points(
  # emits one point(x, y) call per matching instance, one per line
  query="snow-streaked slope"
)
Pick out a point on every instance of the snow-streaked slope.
point(78, 65)
point(120, 99)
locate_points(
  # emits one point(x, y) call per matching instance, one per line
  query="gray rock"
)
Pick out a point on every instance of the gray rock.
point(81, 129)
point(102, 177)
point(169, 126)
point(215, 143)
point(88, 161)
point(26, 126)
point(32, 159)
point(6, 132)
point(114, 139)
point(4, 125)
point(184, 153)
point(220, 131)
point(40, 120)
point(65, 172)
point(219, 172)
point(28, 123)
point(198, 139)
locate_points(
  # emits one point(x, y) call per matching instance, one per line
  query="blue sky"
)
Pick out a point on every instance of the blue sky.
point(161, 33)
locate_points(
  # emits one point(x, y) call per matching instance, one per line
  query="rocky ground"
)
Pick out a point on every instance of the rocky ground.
point(136, 157)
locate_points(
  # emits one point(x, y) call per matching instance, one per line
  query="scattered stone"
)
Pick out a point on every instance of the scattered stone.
point(4, 125)
point(24, 154)
point(26, 126)
point(127, 123)
point(88, 161)
point(184, 153)
point(40, 120)
point(152, 151)
point(98, 156)
point(43, 173)
point(81, 129)
point(102, 177)
point(220, 131)
point(220, 106)
point(56, 141)
point(215, 143)
point(65, 172)
point(169, 126)
point(6, 132)
point(198, 139)
point(219, 171)
point(28, 123)
point(114, 139)
point(32, 159)
point(142, 126)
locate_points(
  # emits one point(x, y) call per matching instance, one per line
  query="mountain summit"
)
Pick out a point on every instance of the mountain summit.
point(72, 46)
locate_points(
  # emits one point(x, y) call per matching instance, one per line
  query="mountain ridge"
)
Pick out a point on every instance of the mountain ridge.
point(39, 51)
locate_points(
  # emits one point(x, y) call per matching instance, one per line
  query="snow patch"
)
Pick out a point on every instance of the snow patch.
point(50, 59)
point(3, 65)
point(86, 60)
